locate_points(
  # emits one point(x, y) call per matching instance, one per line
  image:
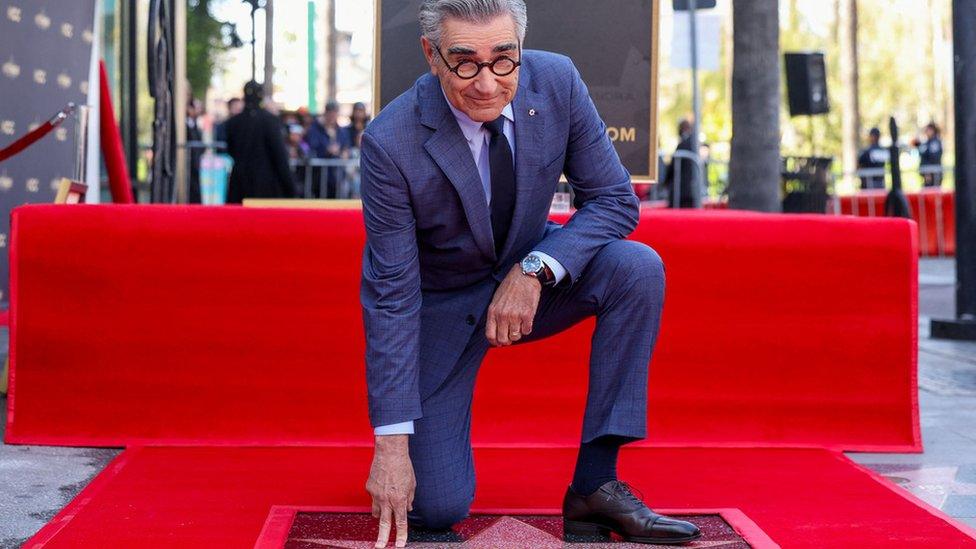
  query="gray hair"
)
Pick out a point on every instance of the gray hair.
point(434, 12)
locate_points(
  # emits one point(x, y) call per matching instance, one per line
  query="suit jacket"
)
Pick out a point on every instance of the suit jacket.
point(429, 264)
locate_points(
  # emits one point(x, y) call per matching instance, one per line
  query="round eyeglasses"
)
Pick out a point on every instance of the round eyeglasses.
point(466, 70)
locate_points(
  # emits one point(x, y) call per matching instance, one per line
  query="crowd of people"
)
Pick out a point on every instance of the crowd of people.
point(295, 140)
point(284, 148)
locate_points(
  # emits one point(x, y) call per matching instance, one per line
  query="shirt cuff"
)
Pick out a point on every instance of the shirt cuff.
point(558, 271)
point(404, 428)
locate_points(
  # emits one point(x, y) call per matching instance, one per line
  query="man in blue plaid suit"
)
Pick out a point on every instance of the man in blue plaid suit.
point(458, 174)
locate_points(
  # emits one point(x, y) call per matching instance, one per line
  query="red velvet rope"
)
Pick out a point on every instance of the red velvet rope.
point(37, 133)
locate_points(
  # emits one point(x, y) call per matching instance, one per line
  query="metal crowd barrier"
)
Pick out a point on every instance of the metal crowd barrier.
point(699, 177)
point(314, 172)
point(311, 176)
point(940, 173)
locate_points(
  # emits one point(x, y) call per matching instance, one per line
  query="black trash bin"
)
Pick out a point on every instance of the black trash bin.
point(807, 181)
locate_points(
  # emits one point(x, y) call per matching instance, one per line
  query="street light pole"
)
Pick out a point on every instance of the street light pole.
point(269, 66)
point(964, 46)
point(254, 40)
point(695, 95)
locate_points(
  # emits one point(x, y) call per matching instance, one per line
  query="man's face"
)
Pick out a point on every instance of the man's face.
point(483, 97)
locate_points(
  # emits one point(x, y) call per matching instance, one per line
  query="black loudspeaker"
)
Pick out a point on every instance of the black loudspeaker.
point(806, 83)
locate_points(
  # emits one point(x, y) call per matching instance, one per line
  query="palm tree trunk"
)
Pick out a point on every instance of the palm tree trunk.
point(754, 166)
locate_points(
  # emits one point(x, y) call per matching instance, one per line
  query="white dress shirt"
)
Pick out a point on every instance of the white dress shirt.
point(478, 139)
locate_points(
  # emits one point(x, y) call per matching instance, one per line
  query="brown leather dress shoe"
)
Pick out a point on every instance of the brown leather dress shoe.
point(615, 508)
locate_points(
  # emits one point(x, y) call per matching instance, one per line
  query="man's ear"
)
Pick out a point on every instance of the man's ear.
point(429, 53)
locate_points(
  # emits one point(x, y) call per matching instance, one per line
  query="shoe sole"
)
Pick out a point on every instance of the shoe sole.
point(583, 532)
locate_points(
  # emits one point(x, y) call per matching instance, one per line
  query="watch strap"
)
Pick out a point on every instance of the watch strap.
point(546, 276)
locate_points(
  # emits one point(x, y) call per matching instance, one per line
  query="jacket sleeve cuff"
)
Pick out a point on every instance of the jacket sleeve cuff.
point(558, 271)
point(403, 428)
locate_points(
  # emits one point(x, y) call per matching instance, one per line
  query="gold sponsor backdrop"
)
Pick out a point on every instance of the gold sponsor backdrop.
point(45, 54)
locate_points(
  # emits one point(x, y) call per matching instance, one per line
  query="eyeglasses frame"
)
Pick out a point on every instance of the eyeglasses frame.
point(489, 64)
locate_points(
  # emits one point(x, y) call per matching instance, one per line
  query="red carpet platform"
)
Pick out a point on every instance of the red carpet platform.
point(130, 324)
point(231, 341)
point(222, 497)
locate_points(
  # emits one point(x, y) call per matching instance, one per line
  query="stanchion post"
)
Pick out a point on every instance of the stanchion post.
point(964, 46)
point(896, 205)
point(81, 142)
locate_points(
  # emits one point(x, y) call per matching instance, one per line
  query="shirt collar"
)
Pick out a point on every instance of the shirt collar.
point(470, 128)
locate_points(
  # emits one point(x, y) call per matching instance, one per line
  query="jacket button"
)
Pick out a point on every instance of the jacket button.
point(470, 320)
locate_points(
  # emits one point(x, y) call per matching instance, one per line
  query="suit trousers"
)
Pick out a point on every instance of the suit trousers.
point(623, 287)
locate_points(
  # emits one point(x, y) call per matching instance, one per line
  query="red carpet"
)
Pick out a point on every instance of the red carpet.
point(221, 497)
point(132, 323)
point(231, 327)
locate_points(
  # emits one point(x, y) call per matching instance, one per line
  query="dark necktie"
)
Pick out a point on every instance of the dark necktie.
point(502, 182)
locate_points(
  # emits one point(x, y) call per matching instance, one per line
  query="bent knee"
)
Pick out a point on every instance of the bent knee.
point(649, 262)
point(636, 259)
point(439, 515)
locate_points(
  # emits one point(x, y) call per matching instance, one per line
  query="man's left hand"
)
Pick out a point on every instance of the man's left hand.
point(513, 308)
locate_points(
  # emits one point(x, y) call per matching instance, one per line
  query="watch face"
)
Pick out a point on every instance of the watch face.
point(531, 264)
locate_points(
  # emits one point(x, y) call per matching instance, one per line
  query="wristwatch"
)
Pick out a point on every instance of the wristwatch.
point(533, 265)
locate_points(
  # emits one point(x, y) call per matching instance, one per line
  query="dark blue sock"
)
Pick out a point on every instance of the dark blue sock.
point(596, 463)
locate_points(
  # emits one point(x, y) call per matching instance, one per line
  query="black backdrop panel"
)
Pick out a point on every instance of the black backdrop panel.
point(613, 43)
point(45, 54)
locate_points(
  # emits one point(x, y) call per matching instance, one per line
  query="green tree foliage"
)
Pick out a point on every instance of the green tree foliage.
point(905, 71)
point(204, 45)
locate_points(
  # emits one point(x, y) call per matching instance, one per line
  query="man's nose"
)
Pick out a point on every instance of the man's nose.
point(485, 82)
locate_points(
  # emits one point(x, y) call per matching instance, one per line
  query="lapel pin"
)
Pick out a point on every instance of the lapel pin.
point(531, 112)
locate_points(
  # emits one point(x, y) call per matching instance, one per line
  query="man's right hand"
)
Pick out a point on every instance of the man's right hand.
point(391, 484)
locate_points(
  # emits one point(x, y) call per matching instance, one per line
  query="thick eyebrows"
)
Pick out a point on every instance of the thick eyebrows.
point(461, 50)
point(502, 48)
point(468, 50)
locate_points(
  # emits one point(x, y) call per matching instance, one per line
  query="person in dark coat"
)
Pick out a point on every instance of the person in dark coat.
point(234, 107)
point(194, 135)
point(358, 121)
point(256, 143)
point(688, 174)
point(930, 155)
point(328, 140)
point(873, 157)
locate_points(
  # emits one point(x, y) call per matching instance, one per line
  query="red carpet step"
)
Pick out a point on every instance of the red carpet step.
point(222, 497)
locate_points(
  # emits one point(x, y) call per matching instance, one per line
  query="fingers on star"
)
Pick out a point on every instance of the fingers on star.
point(385, 524)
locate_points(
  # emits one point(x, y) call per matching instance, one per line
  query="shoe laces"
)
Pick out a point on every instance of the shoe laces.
point(628, 491)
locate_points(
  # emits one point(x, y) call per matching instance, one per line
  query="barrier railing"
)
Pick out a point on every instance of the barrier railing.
point(316, 174)
point(339, 177)
point(312, 176)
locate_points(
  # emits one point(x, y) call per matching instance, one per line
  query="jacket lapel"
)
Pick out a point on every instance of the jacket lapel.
point(449, 149)
point(530, 124)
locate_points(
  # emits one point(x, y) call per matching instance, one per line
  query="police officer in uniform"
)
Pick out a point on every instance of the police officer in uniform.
point(930, 155)
point(873, 157)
